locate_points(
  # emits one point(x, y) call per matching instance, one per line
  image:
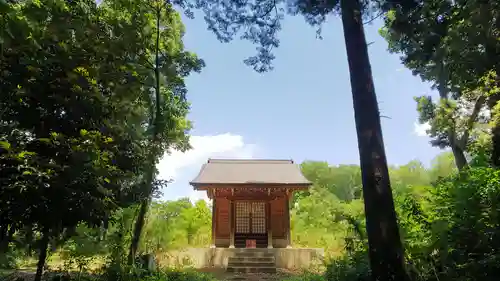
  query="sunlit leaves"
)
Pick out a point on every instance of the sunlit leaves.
point(453, 45)
point(176, 224)
point(75, 108)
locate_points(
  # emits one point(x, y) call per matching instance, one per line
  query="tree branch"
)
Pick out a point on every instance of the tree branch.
point(374, 18)
point(470, 122)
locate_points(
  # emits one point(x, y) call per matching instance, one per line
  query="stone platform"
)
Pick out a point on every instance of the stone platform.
point(285, 258)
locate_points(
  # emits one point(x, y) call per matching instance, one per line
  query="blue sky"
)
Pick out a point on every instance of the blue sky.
point(302, 110)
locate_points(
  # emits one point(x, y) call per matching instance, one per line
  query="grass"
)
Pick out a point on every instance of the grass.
point(59, 262)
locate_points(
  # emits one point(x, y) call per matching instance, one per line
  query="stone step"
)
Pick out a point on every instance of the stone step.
point(254, 255)
point(252, 277)
point(251, 259)
point(257, 253)
point(251, 263)
point(251, 269)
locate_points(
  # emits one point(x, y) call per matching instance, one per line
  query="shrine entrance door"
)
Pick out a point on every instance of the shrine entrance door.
point(251, 223)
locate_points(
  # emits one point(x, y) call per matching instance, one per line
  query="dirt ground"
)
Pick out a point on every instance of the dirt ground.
point(222, 275)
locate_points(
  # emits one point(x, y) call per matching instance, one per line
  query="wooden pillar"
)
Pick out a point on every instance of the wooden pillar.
point(287, 212)
point(269, 226)
point(214, 219)
point(231, 224)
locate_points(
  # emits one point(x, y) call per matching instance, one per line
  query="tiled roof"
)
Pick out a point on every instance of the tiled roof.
point(250, 171)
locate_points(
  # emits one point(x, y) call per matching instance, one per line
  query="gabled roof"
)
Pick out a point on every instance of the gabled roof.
point(250, 171)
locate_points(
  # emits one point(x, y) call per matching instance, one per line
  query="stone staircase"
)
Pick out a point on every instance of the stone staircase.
point(252, 261)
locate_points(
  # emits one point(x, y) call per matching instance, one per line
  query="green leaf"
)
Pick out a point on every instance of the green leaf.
point(5, 145)
point(83, 132)
point(24, 154)
point(44, 140)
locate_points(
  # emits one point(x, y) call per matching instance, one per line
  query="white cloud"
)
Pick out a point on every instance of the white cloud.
point(421, 129)
point(183, 167)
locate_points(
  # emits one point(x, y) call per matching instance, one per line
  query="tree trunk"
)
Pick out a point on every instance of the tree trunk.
point(495, 133)
point(44, 243)
point(459, 155)
point(139, 225)
point(385, 247)
point(458, 151)
point(29, 240)
point(141, 218)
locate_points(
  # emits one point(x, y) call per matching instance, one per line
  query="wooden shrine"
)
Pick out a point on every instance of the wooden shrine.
point(250, 201)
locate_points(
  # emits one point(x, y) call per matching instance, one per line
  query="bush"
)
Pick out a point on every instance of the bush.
point(10, 259)
point(174, 275)
point(352, 267)
point(467, 209)
point(307, 277)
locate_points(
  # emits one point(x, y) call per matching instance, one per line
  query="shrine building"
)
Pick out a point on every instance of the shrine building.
point(251, 201)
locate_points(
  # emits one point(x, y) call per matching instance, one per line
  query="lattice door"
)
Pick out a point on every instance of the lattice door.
point(258, 217)
point(250, 217)
point(243, 210)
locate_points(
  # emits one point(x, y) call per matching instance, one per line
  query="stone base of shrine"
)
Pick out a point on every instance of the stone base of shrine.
point(286, 258)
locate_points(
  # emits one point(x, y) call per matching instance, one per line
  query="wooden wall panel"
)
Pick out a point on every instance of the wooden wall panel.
point(222, 214)
point(278, 219)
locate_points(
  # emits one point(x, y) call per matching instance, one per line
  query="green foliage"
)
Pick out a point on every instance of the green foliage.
point(177, 224)
point(136, 275)
point(323, 216)
point(173, 275)
point(81, 132)
point(448, 221)
point(460, 35)
point(468, 206)
point(83, 248)
point(354, 267)
point(453, 45)
point(76, 113)
point(308, 276)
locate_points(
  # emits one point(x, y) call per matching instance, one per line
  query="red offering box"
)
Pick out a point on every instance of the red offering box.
point(251, 244)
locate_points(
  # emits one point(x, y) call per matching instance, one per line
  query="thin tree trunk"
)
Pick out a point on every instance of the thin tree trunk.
point(44, 243)
point(29, 240)
point(385, 247)
point(141, 217)
point(104, 229)
point(139, 225)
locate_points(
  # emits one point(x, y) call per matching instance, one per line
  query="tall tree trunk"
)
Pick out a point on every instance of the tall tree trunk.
point(141, 217)
point(458, 151)
point(459, 155)
point(385, 247)
point(44, 243)
point(495, 132)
